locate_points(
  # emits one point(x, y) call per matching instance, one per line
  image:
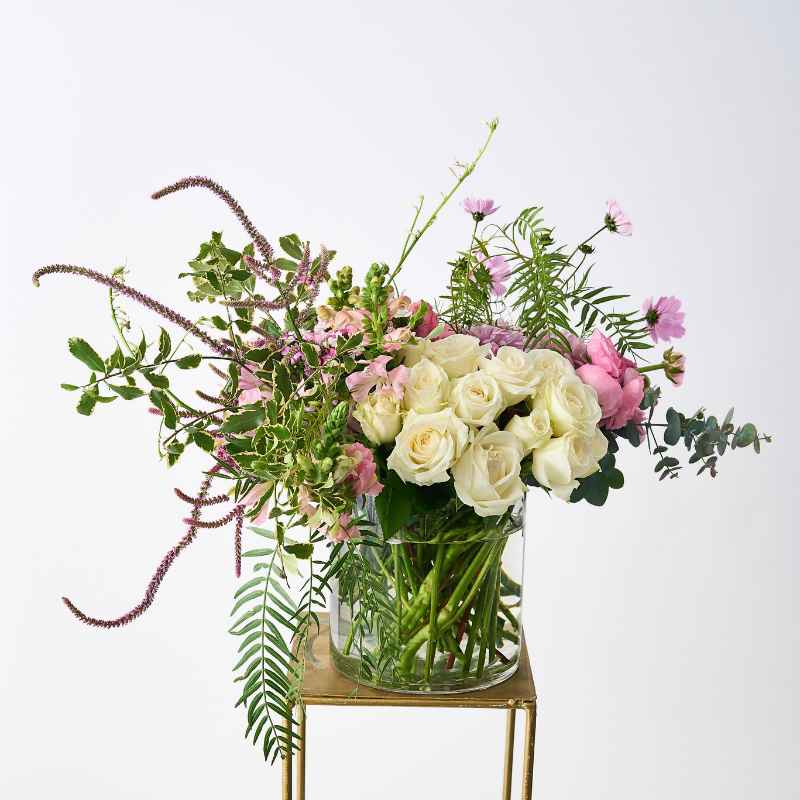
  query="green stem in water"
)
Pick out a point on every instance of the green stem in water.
point(434, 608)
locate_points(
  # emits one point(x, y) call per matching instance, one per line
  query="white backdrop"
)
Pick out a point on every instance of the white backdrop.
point(663, 626)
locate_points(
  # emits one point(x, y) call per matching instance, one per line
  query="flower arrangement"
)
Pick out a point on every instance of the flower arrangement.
point(333, 428)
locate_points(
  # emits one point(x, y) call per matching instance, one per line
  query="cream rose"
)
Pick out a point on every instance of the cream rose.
point(515, 371)
point(380, 418)
point(414, 352)
point(457, 354)
point(427, 388)
point(486, 477)
point(531, 431)
point(427, 446)
point(550, 365)
point(560, 462)
point(571, 404)
point(476, 398)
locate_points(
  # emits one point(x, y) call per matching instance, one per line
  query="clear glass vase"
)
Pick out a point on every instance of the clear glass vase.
point(437, 607)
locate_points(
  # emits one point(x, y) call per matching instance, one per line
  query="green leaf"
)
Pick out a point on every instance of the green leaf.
point(84, 352)
point(746, 435)
point(164, 346)
point(189, 362)
point(258, 354)
point(281, 432)
point(127, 392)
point(70, 387)
point(205, 441)
point(300, 550)
point(394, 504)
point(161, 381)
point(291, 245)
point(87, 402)
point(160, 400)
point(245, 421)
point(285, 264)
point(672, 433)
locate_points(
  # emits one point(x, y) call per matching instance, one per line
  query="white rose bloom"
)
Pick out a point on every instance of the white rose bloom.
point(550, 365)
point(427, 388)
point(476, 398)
point(532, 431)
point(571, 404)
point(516, 372)
point(457, 354)
point(380, 418)
point(486, 477)
point(427, 446)
point(415, 351)
point(560, 462)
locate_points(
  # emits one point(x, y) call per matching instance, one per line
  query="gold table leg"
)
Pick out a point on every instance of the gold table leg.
point(508, 768)
point(287, 761)
point(530, 741)
point(301, 754)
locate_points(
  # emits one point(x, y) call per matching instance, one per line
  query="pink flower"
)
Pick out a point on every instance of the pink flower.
point(401, 307)
point(603, 354)
point(252, 498)
point(674, 366)
point(429, 320)
point(664, 318)
point(616, 221)
point(362, 477)
point(579, 355)
point(304, 502)
point(479, 207)
point(396, 338)
point(632, 393)
point(342, 530)
point(500, 271)
point(609, 391)
point(375, 376)
point(497, 336)
point(253, 389)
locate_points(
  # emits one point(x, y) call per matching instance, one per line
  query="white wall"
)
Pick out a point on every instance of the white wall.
point(663, 626)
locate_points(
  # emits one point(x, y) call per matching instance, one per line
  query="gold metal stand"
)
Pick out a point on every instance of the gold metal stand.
point(324, 686)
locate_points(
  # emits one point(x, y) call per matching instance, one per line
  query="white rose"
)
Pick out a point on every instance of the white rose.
point(457, 354)
point(427, 446)
point(427, 388)
point(560, 462)
point(476, 398)
point(486, 477)
point(415, 351)
point(380, 418)
point(571, 404)
point(532, 431)
point(550, 365)
point(515, 371)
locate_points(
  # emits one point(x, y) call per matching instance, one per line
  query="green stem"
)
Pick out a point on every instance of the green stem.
point(434, 608)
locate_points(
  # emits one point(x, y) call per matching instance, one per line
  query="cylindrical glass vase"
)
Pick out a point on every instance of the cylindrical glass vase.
point(435, 608)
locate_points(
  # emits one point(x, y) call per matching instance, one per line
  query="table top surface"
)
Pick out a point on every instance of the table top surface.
point(323, 685)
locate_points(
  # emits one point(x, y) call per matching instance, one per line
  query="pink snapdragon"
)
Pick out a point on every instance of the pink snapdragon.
point(664, 318)
point(362, 476)
point(616, 221)
point(253, 389)
point(402, 306)
point(342, 530)
point(375, 376)
point(479, 207)
point(252, 499)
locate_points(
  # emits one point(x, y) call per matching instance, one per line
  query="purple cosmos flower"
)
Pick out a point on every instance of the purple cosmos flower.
point(616, 221)
point(500, 271)
point(497, 336)
point(664, 318)
point(479, 207)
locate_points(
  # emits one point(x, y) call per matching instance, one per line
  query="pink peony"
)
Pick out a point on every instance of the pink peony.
point(632, 393)
point(479, 207)
point(616, 221)
point(609, 390)
point(664, 318)
point(500, 271)
point(362, 477)
point(603, 354)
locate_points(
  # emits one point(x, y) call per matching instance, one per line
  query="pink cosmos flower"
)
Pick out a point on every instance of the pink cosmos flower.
point(497, 336)
point(252, 498)
point(500, 271)
point(362, 477)
point(616, 221)
point(664, 318)
point(479, 207)
point(342, 530)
